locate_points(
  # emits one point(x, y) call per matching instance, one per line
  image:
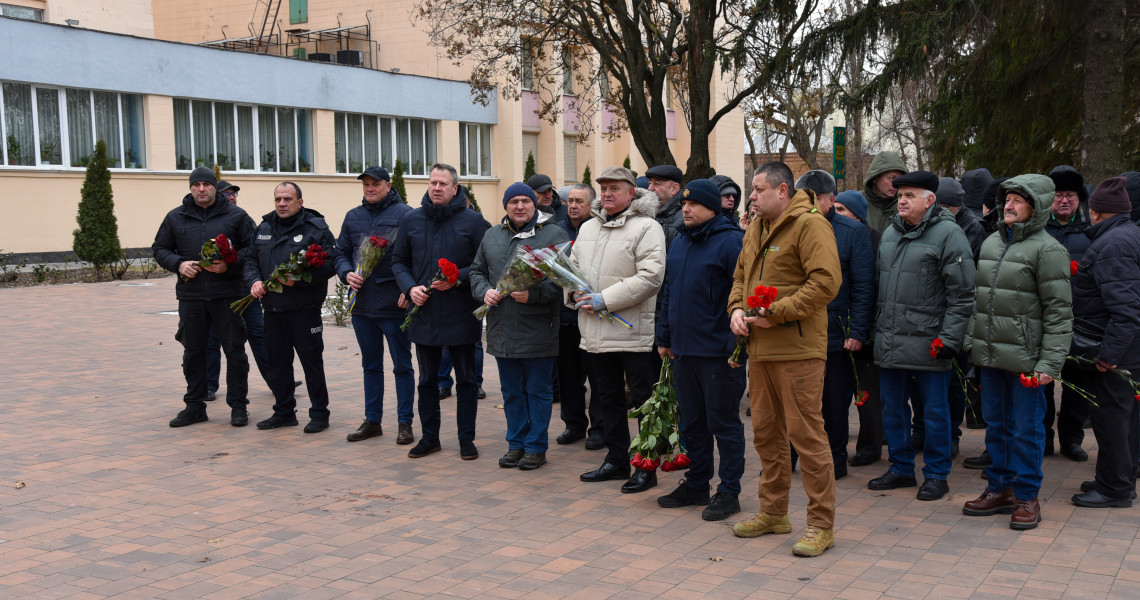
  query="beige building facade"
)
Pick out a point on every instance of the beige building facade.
point(312, 92)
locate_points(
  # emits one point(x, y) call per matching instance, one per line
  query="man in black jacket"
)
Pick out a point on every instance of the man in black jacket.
point(1106, 330)
point(293, 316)
point(205, 292)
point(442, 228)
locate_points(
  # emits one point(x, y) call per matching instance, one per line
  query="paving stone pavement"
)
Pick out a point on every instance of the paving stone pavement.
point(119, 505)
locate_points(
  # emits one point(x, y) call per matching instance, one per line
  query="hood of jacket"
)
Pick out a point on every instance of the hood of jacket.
point(882, 163)
point(974, 183)
point(644, 204)
point(722, 181)
point(1038, 189)
point(445, 211)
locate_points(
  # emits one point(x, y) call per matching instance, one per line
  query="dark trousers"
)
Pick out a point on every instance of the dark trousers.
point(466, 390)
point(870, 440)
point(1074, 408)
point(573, 372)
point(613, 370)
point(838, 389)
point(708, 395)
point(1114, 423)
point(254, 321)
point(299, 331)
point(445, 379)
point(197, 317)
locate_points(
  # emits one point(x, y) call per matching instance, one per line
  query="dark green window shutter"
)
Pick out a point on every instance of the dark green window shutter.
point(299, 53)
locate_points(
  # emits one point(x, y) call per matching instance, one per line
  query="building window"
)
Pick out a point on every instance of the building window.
point(21, 12)
point(474, 150)
point(298, 11)
point(527, 65)
point(567, 72)
point(45, 126)
point(364, 141)
point(570, 157)
point(241, 137)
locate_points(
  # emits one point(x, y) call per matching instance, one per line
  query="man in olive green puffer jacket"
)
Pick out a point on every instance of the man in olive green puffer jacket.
point(879, 189)
point(1023, 321)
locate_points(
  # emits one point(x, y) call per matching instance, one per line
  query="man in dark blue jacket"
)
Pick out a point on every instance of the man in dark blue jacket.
point(442, 228)
point(204, 293)
point(1106, 329)
point(573, 366)
point(848, 315)
point(693, 328)
point(293, 316)
point(377, 314)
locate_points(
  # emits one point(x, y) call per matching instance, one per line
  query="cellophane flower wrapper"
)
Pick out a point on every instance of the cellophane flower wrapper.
point(517, 277)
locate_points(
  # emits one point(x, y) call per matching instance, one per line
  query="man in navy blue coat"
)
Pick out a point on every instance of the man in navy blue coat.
point(442, 228)
point(377, 314)
point(848, 315)
point(693, 328)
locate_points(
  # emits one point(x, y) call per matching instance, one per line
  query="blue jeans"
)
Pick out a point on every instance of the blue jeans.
point(1015, 432)
point(445, 380)
point(255, 334)
point(932, 386)
point(528, 395)
point(370, 335)
point(708, 395)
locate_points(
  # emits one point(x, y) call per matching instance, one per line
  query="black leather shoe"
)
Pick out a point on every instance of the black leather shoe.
point(1074, 452)
point(211, 395)
point(606, 472)
point(978, 462)
point(1095, 499)
point(862, 460)
point(424, 448)
point(239, 417)
point(640, 481)
point(278, 420)
point(840, 469)
point(444, 392)
point(366, 430)
point(933, 489)
point(595, 441)
point(1088, 486)
point(189, 416)
point(570, 436)
point(480, 394)
point(316, 426)
point(890, 481)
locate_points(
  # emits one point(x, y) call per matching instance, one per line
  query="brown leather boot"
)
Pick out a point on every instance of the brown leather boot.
point(990, 503)
point(1026, 515)
point(404, 434)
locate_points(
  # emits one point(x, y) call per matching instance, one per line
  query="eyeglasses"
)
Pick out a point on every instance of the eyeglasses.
point(1070, 196)
point(230, 194)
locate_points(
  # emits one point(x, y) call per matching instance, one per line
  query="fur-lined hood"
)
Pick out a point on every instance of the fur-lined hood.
point(644, 204)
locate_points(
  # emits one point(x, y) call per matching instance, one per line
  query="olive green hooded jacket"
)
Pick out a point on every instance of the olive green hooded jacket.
point(880, 209)
point(1023, 304)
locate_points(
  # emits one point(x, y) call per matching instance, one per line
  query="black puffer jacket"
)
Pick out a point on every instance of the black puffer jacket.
point(378, 296)
point(973, 228)
point(1106, 294)
point(276, 239)
point(1072, 235)
point(180, 238)
point(430, 233)
point(670, 219)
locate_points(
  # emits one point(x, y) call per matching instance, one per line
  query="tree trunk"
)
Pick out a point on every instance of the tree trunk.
point(1103, 125)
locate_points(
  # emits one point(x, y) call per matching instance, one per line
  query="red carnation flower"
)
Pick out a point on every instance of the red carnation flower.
point(1073, 268)
point(935, 346)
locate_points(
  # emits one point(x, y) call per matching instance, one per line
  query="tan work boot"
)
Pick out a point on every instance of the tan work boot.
point(815, 541)
point(762, 523)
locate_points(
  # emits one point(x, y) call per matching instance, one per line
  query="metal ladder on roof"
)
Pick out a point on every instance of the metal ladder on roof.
point(264, 23)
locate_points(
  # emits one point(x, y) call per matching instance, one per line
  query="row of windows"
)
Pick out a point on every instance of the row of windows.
point(242, 137)
point(45, 126)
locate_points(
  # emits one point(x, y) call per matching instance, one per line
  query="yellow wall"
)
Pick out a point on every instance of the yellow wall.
point(132, 17)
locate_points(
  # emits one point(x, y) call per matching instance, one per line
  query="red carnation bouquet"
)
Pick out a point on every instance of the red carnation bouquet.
point(1030, 380)
point(447, 272)
point(299, 267)
point(218, 249)
point(368, 255)
point(935, 347)
point(761, 298)
point(1073, 267)
point(658, 442)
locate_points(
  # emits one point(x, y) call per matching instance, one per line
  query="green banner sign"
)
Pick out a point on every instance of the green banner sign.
point(839, 152)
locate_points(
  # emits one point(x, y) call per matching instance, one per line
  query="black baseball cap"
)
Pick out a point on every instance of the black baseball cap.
point(377, 173)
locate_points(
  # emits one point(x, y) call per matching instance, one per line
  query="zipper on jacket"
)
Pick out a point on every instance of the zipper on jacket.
point(990, 306)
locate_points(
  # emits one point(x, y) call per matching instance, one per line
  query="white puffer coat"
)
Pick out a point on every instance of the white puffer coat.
point(624, 259)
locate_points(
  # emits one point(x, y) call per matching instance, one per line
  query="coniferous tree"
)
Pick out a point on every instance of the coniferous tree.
point(586, 178)
point(398, 180)
point(97, 238)
point(529, 170)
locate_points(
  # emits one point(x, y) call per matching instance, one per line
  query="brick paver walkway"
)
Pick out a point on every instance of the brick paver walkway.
point(119, 505)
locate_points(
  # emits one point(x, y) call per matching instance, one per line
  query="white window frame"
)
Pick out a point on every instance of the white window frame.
point(474, 149)
point(393, 142)
point(64, 125)
point(255, 116)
